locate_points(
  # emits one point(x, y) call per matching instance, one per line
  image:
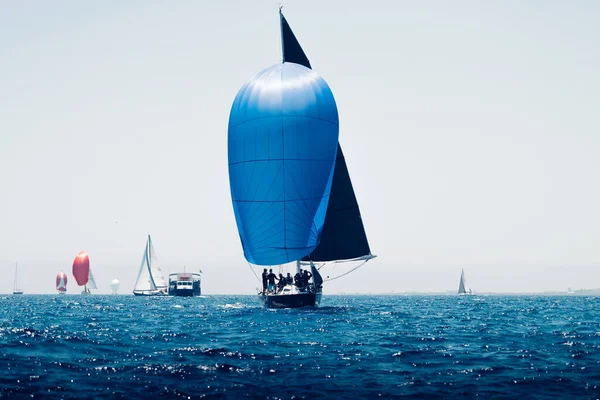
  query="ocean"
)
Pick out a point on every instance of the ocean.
point(351, 347)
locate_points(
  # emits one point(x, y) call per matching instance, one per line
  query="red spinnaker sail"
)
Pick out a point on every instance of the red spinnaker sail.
point(61, 282)
point(81, 268)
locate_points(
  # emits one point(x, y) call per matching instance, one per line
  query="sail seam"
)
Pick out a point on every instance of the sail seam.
point(284, 115)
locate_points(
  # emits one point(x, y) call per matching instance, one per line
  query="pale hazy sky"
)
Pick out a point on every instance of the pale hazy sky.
point(471, 130)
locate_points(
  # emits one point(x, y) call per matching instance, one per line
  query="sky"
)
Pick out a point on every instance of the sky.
point(470, 129)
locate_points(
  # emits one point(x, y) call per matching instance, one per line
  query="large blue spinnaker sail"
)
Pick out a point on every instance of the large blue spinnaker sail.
point(282, 144)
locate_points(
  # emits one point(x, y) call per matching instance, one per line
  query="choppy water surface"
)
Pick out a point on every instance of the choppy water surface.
point(352, 347)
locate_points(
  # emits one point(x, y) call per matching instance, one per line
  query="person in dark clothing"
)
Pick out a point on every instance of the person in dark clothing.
point(306, 277)
point(298, 279)
point(271, 278)
point(264, 279)
point(281, 282)
point(289, 280)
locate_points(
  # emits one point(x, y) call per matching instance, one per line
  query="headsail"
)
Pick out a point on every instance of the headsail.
point(157, 275)
point(91, 281)
point(144, 281)
point(462, 286)
point(290, 47)
point(150, 277)
point(344, 236)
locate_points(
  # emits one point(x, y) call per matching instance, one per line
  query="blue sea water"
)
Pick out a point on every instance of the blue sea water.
point(352, 347)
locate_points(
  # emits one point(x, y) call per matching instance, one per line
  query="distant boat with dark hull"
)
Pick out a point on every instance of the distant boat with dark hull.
point(292, 195)
point(185, 284)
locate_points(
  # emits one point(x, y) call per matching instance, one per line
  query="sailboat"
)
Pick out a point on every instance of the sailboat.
point(150, 280)
point(292, 195)
point(83, 273)
point(61, 283)
point(463, 289)
point(16, 288)
point(114, 286)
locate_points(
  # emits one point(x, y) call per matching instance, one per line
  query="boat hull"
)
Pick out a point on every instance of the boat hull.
point(144, 293)
point(184, 293)
point(18, 292)
point(296, 300)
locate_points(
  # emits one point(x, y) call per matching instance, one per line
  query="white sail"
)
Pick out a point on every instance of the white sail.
point(91, 281)
point(150, 277)
point(157, 275)
point(114, 285)
point(16, 288)
point(144, 280)
point(462, 285)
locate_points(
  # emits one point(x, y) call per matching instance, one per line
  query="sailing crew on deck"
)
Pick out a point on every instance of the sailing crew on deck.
point(289, 280)
point(264, 280)
point(271, 278)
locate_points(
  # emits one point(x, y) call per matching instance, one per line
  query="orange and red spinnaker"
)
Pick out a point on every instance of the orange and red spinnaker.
point(81, 268)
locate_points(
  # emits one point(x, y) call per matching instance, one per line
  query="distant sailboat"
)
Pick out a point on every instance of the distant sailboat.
point(150, 280)
point(83, 273)
point(463, 289)
point(61, 283)
point(292, 195)
point(16, 288)
point(114, 286)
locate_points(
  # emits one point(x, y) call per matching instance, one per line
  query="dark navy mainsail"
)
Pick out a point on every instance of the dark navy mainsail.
point(291, 49)
point(343, 236)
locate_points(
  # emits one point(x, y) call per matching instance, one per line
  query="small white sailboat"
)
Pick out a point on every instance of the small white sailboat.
point(16, 288)
point(150, 280)
point(463, 289)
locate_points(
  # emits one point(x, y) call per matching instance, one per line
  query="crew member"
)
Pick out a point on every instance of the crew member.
point(264, 279)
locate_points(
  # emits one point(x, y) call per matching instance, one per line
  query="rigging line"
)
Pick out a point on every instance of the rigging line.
point(254, 272)
point(352, 270)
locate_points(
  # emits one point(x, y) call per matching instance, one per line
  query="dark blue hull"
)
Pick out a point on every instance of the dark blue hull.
point(292, 300)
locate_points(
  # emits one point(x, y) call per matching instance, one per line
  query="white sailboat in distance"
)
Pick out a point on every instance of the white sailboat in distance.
point(150, 280)
point(16, 288)
point(463, 289)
